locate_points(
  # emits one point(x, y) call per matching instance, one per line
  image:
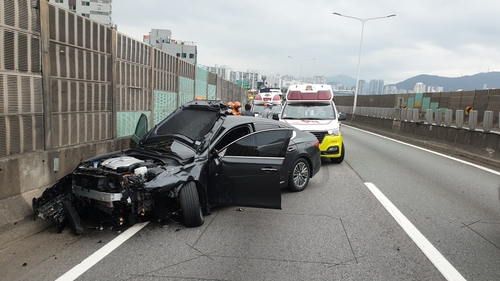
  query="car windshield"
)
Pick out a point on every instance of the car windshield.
point(170, 147)
point(308, 111)
point(193, 123)
point(276, 108)
point(257, 108)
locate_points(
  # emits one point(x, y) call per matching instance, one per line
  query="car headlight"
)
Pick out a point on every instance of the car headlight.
point(334, 132)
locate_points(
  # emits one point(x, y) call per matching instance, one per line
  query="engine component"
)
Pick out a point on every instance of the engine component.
point(120, 163)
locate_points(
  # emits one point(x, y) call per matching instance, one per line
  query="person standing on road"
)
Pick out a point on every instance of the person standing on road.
point(248, 110)
point(266, 111)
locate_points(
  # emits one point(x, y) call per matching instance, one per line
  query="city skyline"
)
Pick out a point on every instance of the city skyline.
point(101, 11)
point(426, 37)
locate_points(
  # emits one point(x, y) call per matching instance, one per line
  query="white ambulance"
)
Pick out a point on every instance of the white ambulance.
point(310, 108)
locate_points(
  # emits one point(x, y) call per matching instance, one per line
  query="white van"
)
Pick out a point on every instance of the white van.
point(310, 108)
point(270, 96)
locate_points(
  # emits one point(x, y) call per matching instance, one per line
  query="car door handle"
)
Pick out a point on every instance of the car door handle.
point(267, 169)
point(290, 149)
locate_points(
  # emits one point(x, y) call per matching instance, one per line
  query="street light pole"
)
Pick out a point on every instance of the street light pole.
point(362, 20)
point(300, 74)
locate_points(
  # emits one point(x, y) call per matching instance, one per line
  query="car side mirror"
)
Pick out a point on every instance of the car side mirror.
point(342, 116)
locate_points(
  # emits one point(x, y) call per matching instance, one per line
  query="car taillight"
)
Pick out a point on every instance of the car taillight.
point(316, 143)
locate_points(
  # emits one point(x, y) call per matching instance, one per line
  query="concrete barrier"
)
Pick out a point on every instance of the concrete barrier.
point(471, 143)
point(25, 176)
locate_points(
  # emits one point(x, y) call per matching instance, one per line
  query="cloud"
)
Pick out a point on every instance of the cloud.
point(447, 38)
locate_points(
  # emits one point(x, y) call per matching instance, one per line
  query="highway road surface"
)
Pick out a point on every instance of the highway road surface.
point(390, 211)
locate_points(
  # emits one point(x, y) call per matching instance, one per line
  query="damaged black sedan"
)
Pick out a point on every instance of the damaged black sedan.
point(194, 159)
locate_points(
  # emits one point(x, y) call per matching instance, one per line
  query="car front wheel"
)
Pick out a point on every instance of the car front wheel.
point(190, 205)
point(299, 177)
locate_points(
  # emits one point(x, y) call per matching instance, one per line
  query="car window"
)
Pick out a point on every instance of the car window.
point(142, 126)
point(269, 143)
point(231, 136)
point(259, 126)
point(140, 129)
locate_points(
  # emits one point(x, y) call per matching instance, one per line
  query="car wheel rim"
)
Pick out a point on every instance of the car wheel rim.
point(300, 174)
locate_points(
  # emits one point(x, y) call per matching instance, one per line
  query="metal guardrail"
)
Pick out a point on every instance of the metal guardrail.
point(439, 117)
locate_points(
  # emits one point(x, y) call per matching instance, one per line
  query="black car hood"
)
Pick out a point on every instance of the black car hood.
point(193, 124)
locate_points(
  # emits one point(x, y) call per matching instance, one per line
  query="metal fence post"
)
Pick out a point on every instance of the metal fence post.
point(46, 72)
point(415, 115)
point(448, 116)
point(396, 113)
point(438, 116)
point(429, 116)
point(488, 120)
point(459, 118)
point(472, 120)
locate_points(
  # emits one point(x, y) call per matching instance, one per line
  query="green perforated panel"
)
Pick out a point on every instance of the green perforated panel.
point(212, 92)
point(201, 82)
point(426, 104)
point(201, 88)
point(186, 91)
point(186, 85)
point(127, 120)
point(411, 102)
point(165, 103)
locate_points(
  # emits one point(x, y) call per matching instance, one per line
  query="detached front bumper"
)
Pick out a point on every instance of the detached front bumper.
point(331, 146)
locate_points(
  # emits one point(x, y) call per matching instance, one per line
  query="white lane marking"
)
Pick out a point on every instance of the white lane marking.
point(440, 262)
point(86, 264)
point(427, 150)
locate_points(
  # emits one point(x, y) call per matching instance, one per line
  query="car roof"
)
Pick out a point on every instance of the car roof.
point(232, 121)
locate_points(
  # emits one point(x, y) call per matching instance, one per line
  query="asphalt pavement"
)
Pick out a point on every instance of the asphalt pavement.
point(334, 230)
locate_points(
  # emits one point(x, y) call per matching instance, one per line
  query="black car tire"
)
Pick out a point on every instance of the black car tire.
point(341, 158)
point(299, 175)
point(190, 205)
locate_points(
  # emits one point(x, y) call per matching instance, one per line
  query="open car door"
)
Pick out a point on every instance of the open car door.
point(140, 130)
point(247, 171)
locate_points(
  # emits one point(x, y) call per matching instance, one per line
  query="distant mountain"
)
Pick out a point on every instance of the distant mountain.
point(466, 83)
point(341, 79)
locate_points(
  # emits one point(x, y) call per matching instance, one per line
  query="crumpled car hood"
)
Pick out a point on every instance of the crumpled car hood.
point(193, 123)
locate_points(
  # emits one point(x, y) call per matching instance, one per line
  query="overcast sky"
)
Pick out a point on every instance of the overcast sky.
point(450, 38)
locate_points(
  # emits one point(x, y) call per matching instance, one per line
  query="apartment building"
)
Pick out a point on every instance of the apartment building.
point(98, 10)
point(162, 39)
